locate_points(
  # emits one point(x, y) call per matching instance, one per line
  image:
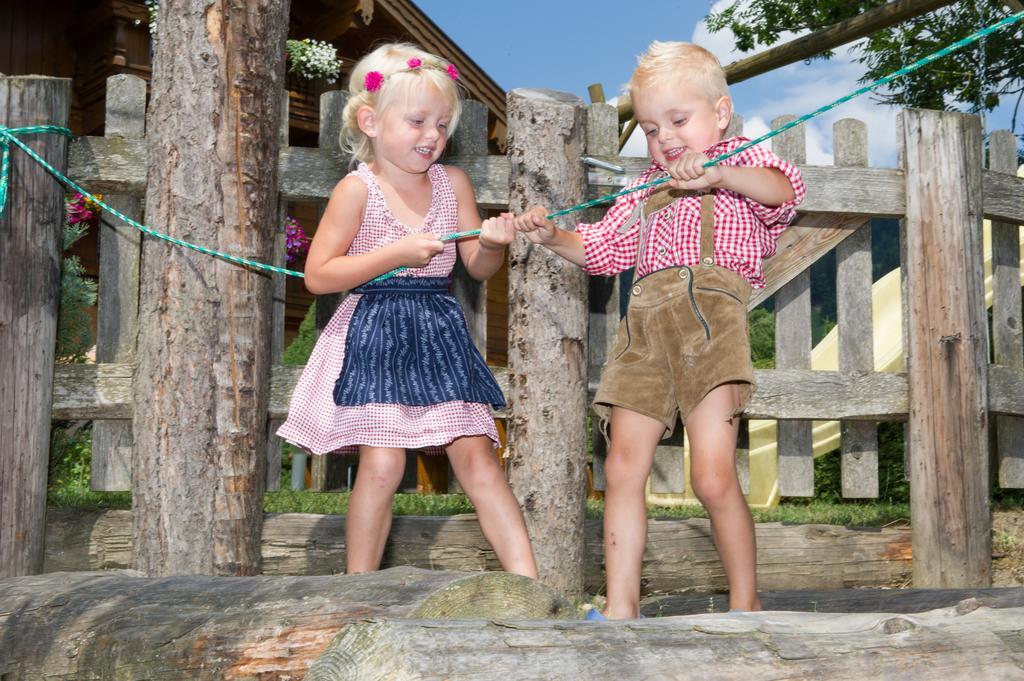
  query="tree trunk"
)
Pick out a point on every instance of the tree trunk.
point(31, 234)
point(965, 642)
point(201, 385)
point(680, 556)
point(115, 626)
point(547, 359)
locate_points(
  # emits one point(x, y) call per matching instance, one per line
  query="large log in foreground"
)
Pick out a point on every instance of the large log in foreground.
point(965, 642)
point(680, 555)
point(117, 626)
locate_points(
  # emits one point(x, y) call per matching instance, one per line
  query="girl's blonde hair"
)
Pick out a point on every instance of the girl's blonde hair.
point(666, 61)
point(390, 74)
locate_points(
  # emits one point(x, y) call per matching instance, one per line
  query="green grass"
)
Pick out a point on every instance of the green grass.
point(849, 513)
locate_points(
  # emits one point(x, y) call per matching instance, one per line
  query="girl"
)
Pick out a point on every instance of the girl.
point(395, 366)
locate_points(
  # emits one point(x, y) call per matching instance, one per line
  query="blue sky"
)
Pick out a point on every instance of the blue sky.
point(569, 45)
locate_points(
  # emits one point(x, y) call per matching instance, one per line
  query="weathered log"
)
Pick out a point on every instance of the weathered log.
point(965, 642)
point(680, 556)
point(200, 387)
point(840, 600)
point(118, 626)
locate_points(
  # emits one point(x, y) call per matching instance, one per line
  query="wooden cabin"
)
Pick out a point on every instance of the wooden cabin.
point(90, 40)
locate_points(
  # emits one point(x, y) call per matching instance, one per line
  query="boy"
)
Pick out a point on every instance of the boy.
point(697, 243)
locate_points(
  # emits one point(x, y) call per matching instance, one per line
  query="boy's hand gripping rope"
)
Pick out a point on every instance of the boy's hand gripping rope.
point(8, 136)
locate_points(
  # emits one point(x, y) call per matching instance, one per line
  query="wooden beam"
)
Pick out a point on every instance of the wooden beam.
point(308, 174)
point(947, 350)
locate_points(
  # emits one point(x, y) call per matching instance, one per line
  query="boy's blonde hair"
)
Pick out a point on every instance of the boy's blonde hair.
point(396, 81)
point(667, 61)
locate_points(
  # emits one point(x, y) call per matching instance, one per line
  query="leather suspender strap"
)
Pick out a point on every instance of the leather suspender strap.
point(707, 229)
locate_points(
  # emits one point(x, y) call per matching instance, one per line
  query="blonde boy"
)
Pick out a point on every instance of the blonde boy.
point(697, 243)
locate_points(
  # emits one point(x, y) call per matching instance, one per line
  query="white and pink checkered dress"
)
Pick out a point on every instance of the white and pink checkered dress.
point(315, 422)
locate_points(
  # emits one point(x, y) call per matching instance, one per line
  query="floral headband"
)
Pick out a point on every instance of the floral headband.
point(374, 80)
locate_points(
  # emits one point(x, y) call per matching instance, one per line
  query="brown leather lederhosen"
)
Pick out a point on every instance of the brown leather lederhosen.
point(684, 334)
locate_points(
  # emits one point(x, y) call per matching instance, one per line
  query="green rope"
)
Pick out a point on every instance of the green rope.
point(7, 136)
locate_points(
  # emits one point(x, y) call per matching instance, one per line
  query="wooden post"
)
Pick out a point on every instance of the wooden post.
point(278, 295)
point(602, 292)
point(117, 308)
point(201, 389)
point(31, 238)
point(948, 351)
point(548, 337)
point(856, 330)
point(327, 472)
point(793, 346)
point(1007, 345)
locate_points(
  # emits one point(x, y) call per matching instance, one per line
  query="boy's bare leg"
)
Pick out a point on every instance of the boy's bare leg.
point(368, 521)
point(476, 466)
point(712, 432)
point(630, 455)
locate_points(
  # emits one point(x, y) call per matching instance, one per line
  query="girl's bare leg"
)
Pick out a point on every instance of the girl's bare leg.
point(369, 508)
point(630, 455)
point(481, 476)
point(712, 431)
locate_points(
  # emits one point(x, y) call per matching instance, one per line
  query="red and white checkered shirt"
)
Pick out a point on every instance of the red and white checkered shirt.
point(745, 230)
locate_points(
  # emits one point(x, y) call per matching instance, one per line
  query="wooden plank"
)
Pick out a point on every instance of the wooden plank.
point(948, 351)
point(327, 472)
point(117, 325)
point(308, 174)
point(789, 556)
point(1007, 338)
point(668, 473)
point(278, 308)
point(793, 346)
point(31, 242)
point(859, 453)
point(103, 391)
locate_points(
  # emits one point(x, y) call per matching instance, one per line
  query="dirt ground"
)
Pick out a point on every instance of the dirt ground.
point(1008, 548)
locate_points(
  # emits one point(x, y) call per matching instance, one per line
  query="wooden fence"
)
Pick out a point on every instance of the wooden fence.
point(950, 388)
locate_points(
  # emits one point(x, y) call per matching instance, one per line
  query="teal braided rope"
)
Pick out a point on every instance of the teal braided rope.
point(7, 135)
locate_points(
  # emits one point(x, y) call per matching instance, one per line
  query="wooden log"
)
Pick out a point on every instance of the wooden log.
point(547, 359)
point(31, 242)
point(201, 383)
point(117, 305)
point(793, 346)
point(840, 600)
point(856, 329)
point(679, 557)
point(1007, 332)
point(116, 626)
point(964, 642)
point(948, 351)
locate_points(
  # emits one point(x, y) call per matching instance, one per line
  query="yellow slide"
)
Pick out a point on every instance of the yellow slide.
point(888, 325)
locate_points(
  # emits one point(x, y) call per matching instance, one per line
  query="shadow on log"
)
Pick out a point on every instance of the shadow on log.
point(965, 642)
point(840, 600)
point(119, 626)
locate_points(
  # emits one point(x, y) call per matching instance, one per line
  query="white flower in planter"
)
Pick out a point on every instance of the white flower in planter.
point(312, 59)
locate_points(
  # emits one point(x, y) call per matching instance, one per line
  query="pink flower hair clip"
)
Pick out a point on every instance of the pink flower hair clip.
point(453, 72)
point(414, 63)
point(373, 80)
